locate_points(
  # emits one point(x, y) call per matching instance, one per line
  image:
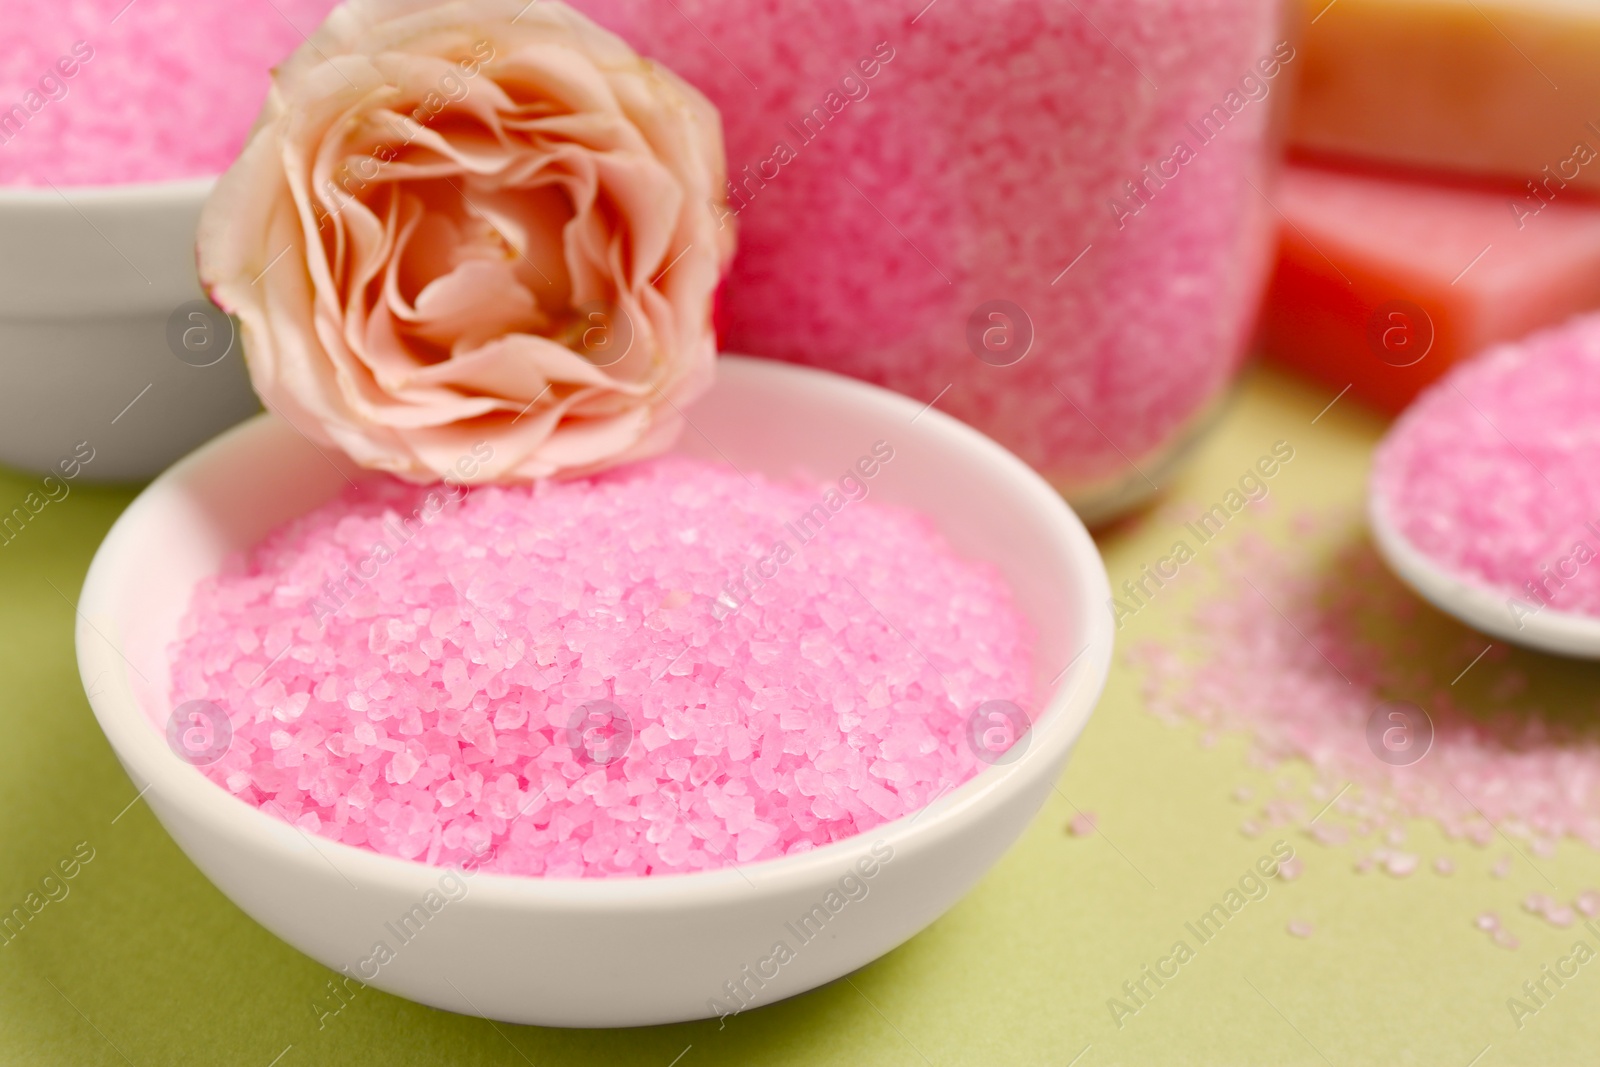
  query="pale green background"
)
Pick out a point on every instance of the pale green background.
point(145, 960)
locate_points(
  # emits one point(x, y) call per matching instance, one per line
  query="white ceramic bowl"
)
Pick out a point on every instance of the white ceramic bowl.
point(89, 278)
point(1494, 612)
point(613, 952)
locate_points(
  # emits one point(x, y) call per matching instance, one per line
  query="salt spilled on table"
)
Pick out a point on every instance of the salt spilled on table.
point(1289, 649)
point(617, 675)
point(1494, 472)
point(1302, 650)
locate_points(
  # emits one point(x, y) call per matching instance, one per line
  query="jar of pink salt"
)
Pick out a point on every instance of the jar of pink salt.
point(1047, 218)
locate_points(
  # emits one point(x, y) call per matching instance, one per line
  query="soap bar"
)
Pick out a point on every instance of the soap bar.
point(1384, 280)
point(1504, 87)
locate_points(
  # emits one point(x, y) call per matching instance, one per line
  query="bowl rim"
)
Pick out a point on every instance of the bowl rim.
point(163, 192)
point(1057, 727)
point(1474, 602)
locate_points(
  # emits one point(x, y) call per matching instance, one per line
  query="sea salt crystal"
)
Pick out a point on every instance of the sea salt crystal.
point(1301, 928)
point(1291, 868)
point(552, 730)
point(1400, 864)
point(1082, 824)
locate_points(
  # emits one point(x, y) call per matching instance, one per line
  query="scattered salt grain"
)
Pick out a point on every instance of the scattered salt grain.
point(1301, 928)
point(1082, 824)
point(1400, 864)
point(1306, 679)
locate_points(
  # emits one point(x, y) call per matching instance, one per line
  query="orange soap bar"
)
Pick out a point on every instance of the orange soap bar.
point(1384, 280)
point(1497, 87)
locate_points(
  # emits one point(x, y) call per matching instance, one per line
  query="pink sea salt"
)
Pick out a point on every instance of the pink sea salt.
point(985, 205)
point(591, 678)
point(157, 89)
point(1400, 864)
point(1304, 651)
point(1494, 472)
point(1301, 928)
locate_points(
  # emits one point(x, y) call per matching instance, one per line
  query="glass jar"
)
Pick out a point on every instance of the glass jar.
point(1047, 218)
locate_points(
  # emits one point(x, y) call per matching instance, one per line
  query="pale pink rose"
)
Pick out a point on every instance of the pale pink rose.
point(483, 223)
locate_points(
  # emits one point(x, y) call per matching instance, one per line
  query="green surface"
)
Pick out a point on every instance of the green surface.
point(144, 962)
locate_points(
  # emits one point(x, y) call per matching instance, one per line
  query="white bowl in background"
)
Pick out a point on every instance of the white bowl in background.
point(89, 279)
point(586, 952)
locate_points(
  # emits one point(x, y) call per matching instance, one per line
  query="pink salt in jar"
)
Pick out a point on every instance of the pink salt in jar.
point(1047, 217)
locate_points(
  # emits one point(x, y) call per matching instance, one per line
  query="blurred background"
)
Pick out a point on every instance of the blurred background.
point(1146, 244)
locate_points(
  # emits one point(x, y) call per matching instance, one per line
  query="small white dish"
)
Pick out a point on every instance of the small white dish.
point(89, 279)
point(614, 952)
point(1496, 612)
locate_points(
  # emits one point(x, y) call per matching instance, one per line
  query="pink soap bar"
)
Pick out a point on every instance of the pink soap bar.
point(1384, 280)
point(665, 668)
point(988, 205)
point(102, 92)
point(1494, 473)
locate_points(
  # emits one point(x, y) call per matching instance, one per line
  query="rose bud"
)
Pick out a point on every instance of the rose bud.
point(478, 228)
